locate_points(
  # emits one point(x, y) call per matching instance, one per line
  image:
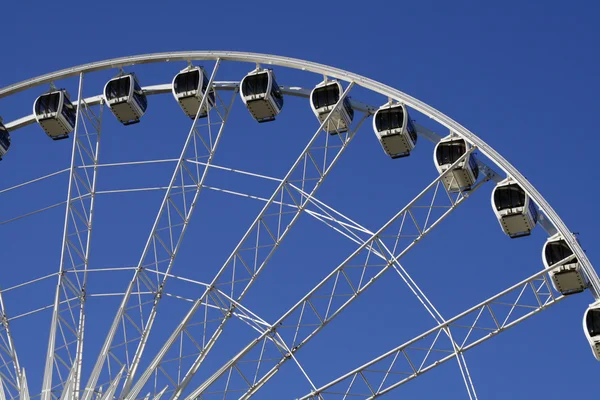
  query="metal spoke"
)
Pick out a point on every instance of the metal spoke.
point(258, 245)
point(10, 371)
point(68, 315)
point(340, 288)
point(427, 351)
point(162, 246)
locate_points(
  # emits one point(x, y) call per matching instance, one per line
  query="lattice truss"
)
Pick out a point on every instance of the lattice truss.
point(172, 369)
point(204, 322)
point(131, 327)
point(261, 359)
point(444, 342)
point(10, 372)
point(65, 345)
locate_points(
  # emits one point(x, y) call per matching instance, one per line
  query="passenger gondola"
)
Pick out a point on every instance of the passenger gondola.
point(591, 327)
point(125, 98)
point(322, 100)
point(447, 152)
point(514, 209)
point(4, 140)
point(261, 95)
point(189, 86)
point(395, 130)
point(55, 113)
point(567, 276)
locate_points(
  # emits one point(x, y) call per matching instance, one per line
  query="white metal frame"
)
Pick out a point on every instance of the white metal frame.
point(163, 245)
point(266, 232)
point(65, 344)
point(195, 99)
point(347, 76)
point(400, 133)
point(551, 222)
point(527, 214)
point(340, 288)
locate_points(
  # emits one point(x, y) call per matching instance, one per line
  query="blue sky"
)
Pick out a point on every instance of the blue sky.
point(521, 75)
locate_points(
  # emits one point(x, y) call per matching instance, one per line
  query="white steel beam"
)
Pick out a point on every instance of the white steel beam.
point(163, 245)
point(64, 353)
point(166, 88)
point(10, 371)
point(337, 291)
point(347, 76)
point(427, 351)
point(259, 243)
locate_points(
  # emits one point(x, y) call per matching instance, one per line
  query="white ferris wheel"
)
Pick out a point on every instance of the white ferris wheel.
point(149, 329)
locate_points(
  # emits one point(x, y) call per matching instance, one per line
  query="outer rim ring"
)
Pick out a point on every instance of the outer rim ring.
point(347, 76)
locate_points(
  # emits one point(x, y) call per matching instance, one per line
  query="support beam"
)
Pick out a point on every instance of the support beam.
point(256, 247)
point(10, 371)
point(244, 373)
point(65, 344)
point(428, 350)
point(162, 246)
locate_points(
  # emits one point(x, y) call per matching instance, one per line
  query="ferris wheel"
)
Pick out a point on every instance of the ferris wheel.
point(150, 329)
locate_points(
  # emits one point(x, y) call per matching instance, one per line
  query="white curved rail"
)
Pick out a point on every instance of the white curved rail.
point(341, 74)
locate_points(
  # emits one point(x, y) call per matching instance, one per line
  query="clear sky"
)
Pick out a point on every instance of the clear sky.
point(522, 75)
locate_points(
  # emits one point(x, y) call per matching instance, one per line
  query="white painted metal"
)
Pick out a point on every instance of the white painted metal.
point(591, 328)
point(300, 318)
point(155, 244)
point(189, 100)
point(566, 275)
point(342, 116)
point(516, 220)
point(4, 140)
point(2, 394)
point(397, 141)
point(57, 121)
point(127, 106)
point(242, 273)
point(24, 389)
point(472, 327)
point(465, 175)
point(343, 75)
point(75, 255)
point(264, 103)
point(11, 374)
point(552, 218)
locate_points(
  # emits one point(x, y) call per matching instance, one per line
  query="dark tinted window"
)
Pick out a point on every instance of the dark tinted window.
point(449, 152)
point(533, 211)
point(592, 322)
point(473, 166)
point(556, 251)
point(136, 86)
point(348, 108)
point(4, 138)
point(276, 94)
point(187, 81)
point(141, 100)
point(139, 95)
point(389, 118)
point(255, 84)
point(326, 95)
point(48, 103)
point(205, 81)
point(412, 132)
point(510, 196)
point(69, 112)
point(118, 87)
